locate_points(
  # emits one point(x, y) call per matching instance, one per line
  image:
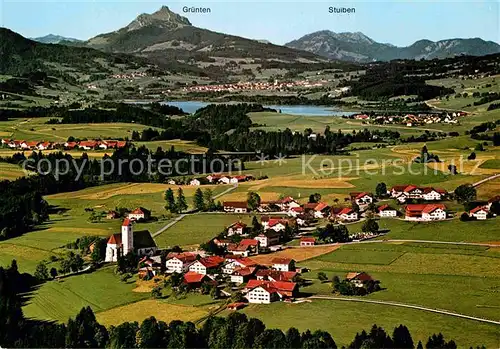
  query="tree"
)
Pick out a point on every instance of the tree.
point(256, 226)
point(156, 292)
point(53, 272)
point(209, 200)
point(123, 335)
point(381, 190)
point(465, 193)
point(292, 337)
point(437, 341)
point(402, 338)
point(472, 156)
point(495, 207)
point(316, 197)
point(41, 272)
point(181, 203)
point(170, 201)
point(370, 226)
point(479, 147)
point(253, 200)
point(322, 276)
point(198, 200)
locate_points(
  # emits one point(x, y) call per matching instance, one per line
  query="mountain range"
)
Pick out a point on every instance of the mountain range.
point(358, 47)
point(53, 39)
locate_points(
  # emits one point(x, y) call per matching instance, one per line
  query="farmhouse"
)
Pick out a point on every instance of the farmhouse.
point(127, 241)
point(235, 206)
point(321, 210)
point(347, 214)
point(242, 275)
point(295, 211)
point(148, 267)
point(363, 198)
point(194, 182)
point(269, 238)
point(206, 265)
point(265, 292)
point(276, 275)
point(283, 264)
point(425, 212)
point(287, 203)
point(139, 213)
point(245, 248)
point(307, 241)
point(275, 223)
point(358, 279)
point(235, 263)
point(405, 192)
point(387, 211)
point(480, 213)
point(195, 280)
point(237, 228)
point(180, 262)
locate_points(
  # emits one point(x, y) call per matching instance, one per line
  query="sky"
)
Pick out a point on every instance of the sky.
point(400, 23)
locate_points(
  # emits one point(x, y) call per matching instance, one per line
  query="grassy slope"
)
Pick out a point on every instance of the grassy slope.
point(102, 290)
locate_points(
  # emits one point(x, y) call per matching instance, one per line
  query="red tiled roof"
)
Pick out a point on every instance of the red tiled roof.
point(184, 257)
point(307, 239)
point(494, 199)
point(247, 262)
point(244, 271)
point(248, 242)
point(115, 239)
point(399, 187)
point(212, 261)
point(346, 210)
point(281, 260)
point(479, 208)
point(433, 207)
point(286, 200)
point(236, 204)
point(363, 194)
point(385, 207)
point(193, 277)
point(277, 274)
point(238, 225)
point(321, 206)
point(359, 276)
point(89, 143)
point(126, 222)
point(410, 188)
point(297, 209)
point(423, 208)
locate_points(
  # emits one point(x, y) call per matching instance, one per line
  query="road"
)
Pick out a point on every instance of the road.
point(403, 305)
point(177, 219)
point(486, 180)
point(401, 240)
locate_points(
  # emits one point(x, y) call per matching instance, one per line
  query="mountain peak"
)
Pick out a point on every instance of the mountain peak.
point(163, 18)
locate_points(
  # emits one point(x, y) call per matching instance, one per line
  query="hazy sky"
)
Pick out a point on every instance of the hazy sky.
point(397, 22)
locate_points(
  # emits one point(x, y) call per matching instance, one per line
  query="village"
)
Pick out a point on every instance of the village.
point(69, 145)
point(411, 120)
point(225, 267)
point(255, 86)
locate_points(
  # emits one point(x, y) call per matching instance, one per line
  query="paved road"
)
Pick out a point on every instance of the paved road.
point(225, 192)
point(403, 305)
point(486, 180)
point(177, 219)
point(400, 240)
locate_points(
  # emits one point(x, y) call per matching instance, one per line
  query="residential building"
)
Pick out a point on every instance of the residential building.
point(237, 228)
point(321, 210)
point(195, 280)
point(347, 214)
point(361, 199)
point(242, 275)
point(139, 213)
point(206, 265)
point(180, 262)
point(480, 212)
point(276, 275)
point(387, 211)
point(265, 292)
point(268, 238)
point(235, 206)
point(307, 241)
point(425, 212)
point(283, 264)
point(358, 279)
point(195, 182)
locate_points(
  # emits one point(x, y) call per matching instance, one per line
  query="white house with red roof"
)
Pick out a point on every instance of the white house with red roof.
point(237, 228)
point(358, 279)
point(425, 212)
point(387, 211)
point(480, 213)
point(180, 262)
point(129, 240)
point(195, 280)
point(321, 210)
point(347, 214)
point(283, 264)
point(363, 198)
point(287, 203)
point(265, 292)
point(295, 211)
point(242, 275)
point(206, 265)
point(307, 241)
point(235, 263)
point(139, 213)
point(275, 223)
point(268, 238)
point(235, 206)
point(276, 275)
point(493, 200)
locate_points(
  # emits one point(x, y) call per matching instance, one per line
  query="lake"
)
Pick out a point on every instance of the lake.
point(307, 110)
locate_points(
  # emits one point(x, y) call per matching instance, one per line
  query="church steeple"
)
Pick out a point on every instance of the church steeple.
point(127, 236)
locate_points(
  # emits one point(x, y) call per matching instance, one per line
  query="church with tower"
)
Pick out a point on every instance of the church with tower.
point(140, 242)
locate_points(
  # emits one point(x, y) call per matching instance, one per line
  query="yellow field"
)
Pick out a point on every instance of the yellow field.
point(301, 182)
point(10, 171)
point(488, 189)
point(298, 254)
point(75, 154)
point(83, 230)
point(141, 310)
point(126, 189)
point(464, 166)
